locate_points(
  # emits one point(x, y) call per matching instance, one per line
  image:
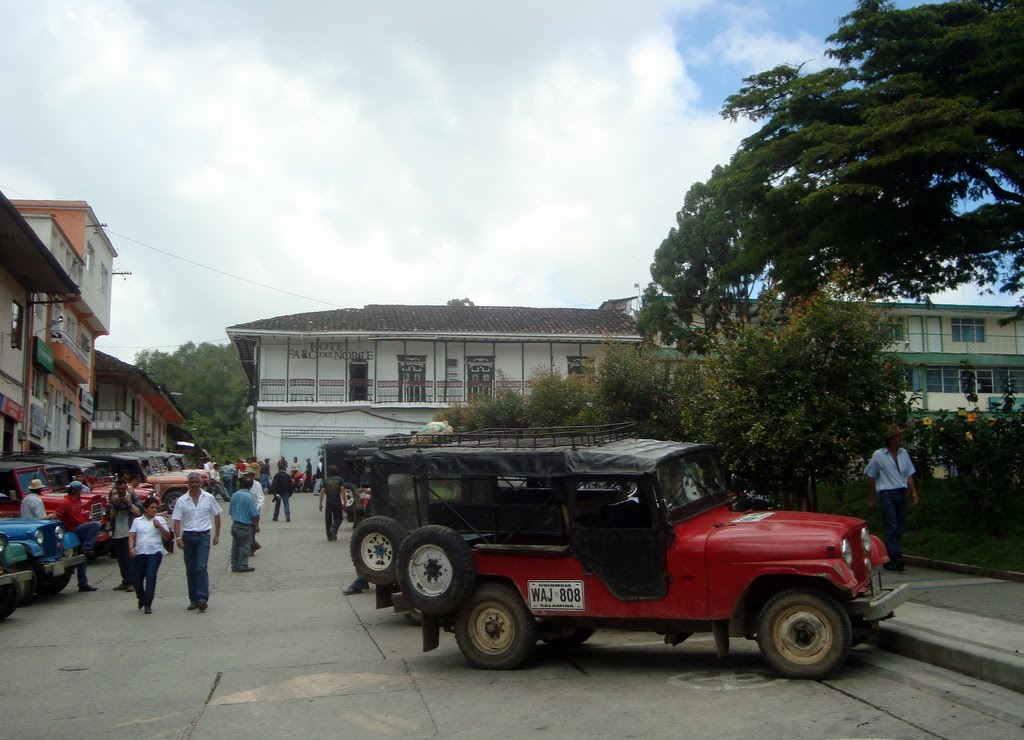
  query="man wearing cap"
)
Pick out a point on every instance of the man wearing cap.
point(31, 505)
point(253, 469)
point(194, 515)
point(76, 519)
point(890, 476)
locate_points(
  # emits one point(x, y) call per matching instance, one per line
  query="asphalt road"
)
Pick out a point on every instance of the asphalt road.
point(283, 653)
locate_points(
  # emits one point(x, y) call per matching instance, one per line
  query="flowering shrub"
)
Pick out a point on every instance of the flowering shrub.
point(983, 455)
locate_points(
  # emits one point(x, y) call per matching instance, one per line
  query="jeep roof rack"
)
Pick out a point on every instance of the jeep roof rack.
point(530, 437)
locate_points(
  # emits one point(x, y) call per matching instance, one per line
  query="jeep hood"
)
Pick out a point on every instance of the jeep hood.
point(777, 535)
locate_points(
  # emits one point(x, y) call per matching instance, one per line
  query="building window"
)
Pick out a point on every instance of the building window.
point(17, 324)
point(576, 365)
point(453, 370)
point(358, 380)
point(892, 330)
point(999, 380)
point(944, 379)
point(968, 330)
point(479, 375)
point(89, 256)
point(412, 378)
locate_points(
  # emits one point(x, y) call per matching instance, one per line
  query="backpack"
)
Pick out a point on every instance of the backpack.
point(282, 483)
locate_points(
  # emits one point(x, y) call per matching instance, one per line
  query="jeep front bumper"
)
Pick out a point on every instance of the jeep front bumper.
point(880, 604)
point(62, 566)
point(18, 576)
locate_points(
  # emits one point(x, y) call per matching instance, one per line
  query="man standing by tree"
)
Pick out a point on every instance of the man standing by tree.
point(194, 515)
point(890, 475)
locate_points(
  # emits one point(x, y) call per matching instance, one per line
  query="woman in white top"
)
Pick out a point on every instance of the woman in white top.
point(146, 549)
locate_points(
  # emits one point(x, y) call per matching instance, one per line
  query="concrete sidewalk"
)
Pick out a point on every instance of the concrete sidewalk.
point(971, 623)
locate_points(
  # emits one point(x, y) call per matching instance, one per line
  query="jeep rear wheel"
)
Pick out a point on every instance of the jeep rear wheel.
point(50, 585)
point(494, 629)
point(804, 633)
point(374, 548)
point(170, 498)
point(436, 570)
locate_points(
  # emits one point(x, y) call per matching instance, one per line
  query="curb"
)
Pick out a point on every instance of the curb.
point(970, 570)
point(1000, 667)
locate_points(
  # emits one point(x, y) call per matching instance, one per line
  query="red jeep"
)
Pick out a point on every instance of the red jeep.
point(551, 534)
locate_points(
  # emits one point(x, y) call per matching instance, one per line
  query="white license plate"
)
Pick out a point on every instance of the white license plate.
point(556, 595)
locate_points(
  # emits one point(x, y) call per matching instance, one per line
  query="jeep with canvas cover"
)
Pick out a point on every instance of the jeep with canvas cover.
point(507, 538)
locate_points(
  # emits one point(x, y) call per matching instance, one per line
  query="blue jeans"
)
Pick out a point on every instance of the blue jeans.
point(87, 534)
point(196, 551)
point(145, 569)
point(287, 498)
point(242, 536)
point(894, 520)
point(229, 484)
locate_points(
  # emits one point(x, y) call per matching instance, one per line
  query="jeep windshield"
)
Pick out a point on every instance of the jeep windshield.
point(691, 482)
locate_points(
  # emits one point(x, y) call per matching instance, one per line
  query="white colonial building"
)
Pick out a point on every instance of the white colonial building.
point(384, 369)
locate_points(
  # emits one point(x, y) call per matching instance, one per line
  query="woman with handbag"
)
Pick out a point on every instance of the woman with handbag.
point(146, 548)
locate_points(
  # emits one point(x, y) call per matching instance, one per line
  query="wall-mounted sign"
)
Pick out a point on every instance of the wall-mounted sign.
point(11, 408)
point(330, 351)
point(37, 427)
point(42, 355)
point(85, 399)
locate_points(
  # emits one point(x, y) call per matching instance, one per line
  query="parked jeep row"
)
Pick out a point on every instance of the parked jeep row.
point(507, 537)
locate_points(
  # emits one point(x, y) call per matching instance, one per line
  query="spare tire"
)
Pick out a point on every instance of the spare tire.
point(436, 570)
point(374, 549)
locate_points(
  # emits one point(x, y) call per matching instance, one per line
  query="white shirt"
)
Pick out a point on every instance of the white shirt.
point(257, 492)
point(32, 507)
point(148, 539)
point(888, 473)
point(196, 516)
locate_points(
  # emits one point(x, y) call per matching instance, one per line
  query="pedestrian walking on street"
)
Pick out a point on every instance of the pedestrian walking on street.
point(122, 508)
point(195, 514)
point(282, 488)
point(146, 550)
point(330, 489)
point(245, 523)
point(890, 474)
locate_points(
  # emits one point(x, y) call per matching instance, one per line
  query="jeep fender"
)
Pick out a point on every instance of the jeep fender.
point(15, 553)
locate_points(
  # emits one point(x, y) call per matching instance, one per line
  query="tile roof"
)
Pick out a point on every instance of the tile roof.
point(455, 319)
point(105, 363)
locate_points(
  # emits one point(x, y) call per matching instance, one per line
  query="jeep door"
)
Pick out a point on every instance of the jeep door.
point(619, 534)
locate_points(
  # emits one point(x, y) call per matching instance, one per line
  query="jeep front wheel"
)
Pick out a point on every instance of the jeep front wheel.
point(436, 570)
point(374, 548)
point(494, 629)
point(8, 600)
point(804, 633)
point(50, 585)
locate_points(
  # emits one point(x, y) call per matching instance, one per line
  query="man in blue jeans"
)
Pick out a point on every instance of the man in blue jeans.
point(890, 474)
point(76, 520)
point(194, 515)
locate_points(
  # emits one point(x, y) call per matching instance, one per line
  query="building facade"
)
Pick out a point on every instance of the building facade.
point(60, 381)
point(953, 350)
point(133, 410)
point(33, 280)
point(388, 369)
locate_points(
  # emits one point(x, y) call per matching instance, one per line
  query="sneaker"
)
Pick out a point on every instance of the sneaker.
point(891, 566)
point(334, 533)
point(351, 590)
point(193, 605)
point(202, 605)
point(246, 569)
point(288, 519)
point(148, 610)
point(87, 587)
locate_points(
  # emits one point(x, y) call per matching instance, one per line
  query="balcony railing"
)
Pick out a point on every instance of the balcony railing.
point(942, 342)
point(113, 420)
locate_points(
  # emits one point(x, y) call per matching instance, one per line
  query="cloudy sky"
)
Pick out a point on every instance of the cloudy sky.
point(253, 158)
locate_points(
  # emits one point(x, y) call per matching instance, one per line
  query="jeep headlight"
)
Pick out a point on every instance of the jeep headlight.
point(60, 533)
point(39, 536)
point(847, 552)
point(3, 543)
point(865, 540)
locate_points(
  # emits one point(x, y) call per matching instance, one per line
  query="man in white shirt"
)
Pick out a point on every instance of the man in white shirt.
point(194, 515)
point(31, 505)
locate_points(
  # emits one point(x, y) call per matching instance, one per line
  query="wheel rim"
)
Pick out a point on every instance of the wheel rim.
point(378, 552)
point(803, 635)
point(430, 571)
point(349, 498)
point(492, 628)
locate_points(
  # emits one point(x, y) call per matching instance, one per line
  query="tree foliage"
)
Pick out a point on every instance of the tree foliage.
point(700, 286)
point(903, 164)
point(459, 302)
point(213, 396)
point(793, 399)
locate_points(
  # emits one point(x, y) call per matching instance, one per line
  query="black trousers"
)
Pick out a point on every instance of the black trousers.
point(332, 517)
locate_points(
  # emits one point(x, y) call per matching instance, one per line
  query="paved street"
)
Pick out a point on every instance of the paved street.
point(282, 653)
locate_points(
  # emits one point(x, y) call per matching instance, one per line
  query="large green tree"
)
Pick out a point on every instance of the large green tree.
point(213, 394)
point(700, 283)
point(903, 164)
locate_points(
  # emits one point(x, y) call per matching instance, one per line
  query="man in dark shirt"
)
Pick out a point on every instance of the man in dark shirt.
point(331, 489)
